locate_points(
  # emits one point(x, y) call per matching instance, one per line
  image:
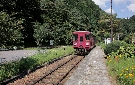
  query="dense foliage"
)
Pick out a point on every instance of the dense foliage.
point(114, 46)
point(127, 29)
point(38, 21)
point(35, 22)
point(10, 30)
point(17, 21)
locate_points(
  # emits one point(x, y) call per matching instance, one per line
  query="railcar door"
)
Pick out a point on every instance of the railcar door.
point(81, 43)
point(87, 37)
point(92, 41)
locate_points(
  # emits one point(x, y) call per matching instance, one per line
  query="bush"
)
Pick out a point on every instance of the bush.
point(114, 46)
point(102, 44)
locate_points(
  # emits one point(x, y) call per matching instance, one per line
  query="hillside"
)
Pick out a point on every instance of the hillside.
point(34, 22)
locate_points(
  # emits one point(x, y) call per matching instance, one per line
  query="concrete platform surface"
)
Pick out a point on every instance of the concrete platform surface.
point(91, 71)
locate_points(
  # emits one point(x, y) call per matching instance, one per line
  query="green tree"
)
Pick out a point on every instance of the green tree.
point(40, 32)
point(10, 30)
point(26, 10)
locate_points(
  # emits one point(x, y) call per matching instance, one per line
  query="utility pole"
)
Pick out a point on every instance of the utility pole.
point(118, 36)
point(111, 23)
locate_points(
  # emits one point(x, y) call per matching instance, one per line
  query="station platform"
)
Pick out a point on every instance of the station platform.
point(91, 71)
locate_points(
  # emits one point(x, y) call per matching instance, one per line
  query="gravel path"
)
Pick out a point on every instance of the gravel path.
point(15, 55)
point(91, 71)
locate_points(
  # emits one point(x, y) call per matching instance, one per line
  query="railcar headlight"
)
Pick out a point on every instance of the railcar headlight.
point(87, 43)
point(75, 43)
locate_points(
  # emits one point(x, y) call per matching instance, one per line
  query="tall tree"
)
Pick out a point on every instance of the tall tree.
point(26, 10)
point(10, 31)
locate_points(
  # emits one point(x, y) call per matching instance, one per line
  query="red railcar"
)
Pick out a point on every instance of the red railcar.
point(83, 41)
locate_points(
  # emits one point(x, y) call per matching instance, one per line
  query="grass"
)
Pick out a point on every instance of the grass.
point(11, 69)
point(53, 53)
point(121, 62)
point(101, 44)
point(119, 65)
point(122, 69)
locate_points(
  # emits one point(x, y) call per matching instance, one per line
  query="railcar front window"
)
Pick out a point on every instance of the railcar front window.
point(75, 37)
point(81, 38)
point(87, 36)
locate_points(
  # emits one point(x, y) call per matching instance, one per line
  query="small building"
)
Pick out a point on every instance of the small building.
point(107, 40)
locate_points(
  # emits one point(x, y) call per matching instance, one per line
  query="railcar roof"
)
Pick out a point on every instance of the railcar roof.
point(81, 32)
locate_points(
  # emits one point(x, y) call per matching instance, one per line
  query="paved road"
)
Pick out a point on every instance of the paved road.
point(91, 71)
point(15, 55)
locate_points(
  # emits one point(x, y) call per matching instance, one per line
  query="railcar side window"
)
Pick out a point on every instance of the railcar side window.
point(81, 38)
point(87, 36)
point(75, 37)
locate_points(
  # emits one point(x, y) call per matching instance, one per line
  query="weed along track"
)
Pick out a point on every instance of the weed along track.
point(54, 74)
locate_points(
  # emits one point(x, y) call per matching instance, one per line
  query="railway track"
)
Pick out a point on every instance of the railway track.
point(54, 74)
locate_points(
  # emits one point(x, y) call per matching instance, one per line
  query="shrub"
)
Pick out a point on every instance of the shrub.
point(114, 46)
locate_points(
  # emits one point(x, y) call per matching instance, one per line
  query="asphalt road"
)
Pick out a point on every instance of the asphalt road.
point(9, 56)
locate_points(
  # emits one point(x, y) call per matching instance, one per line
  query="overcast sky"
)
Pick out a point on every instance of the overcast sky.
point(123, 8)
